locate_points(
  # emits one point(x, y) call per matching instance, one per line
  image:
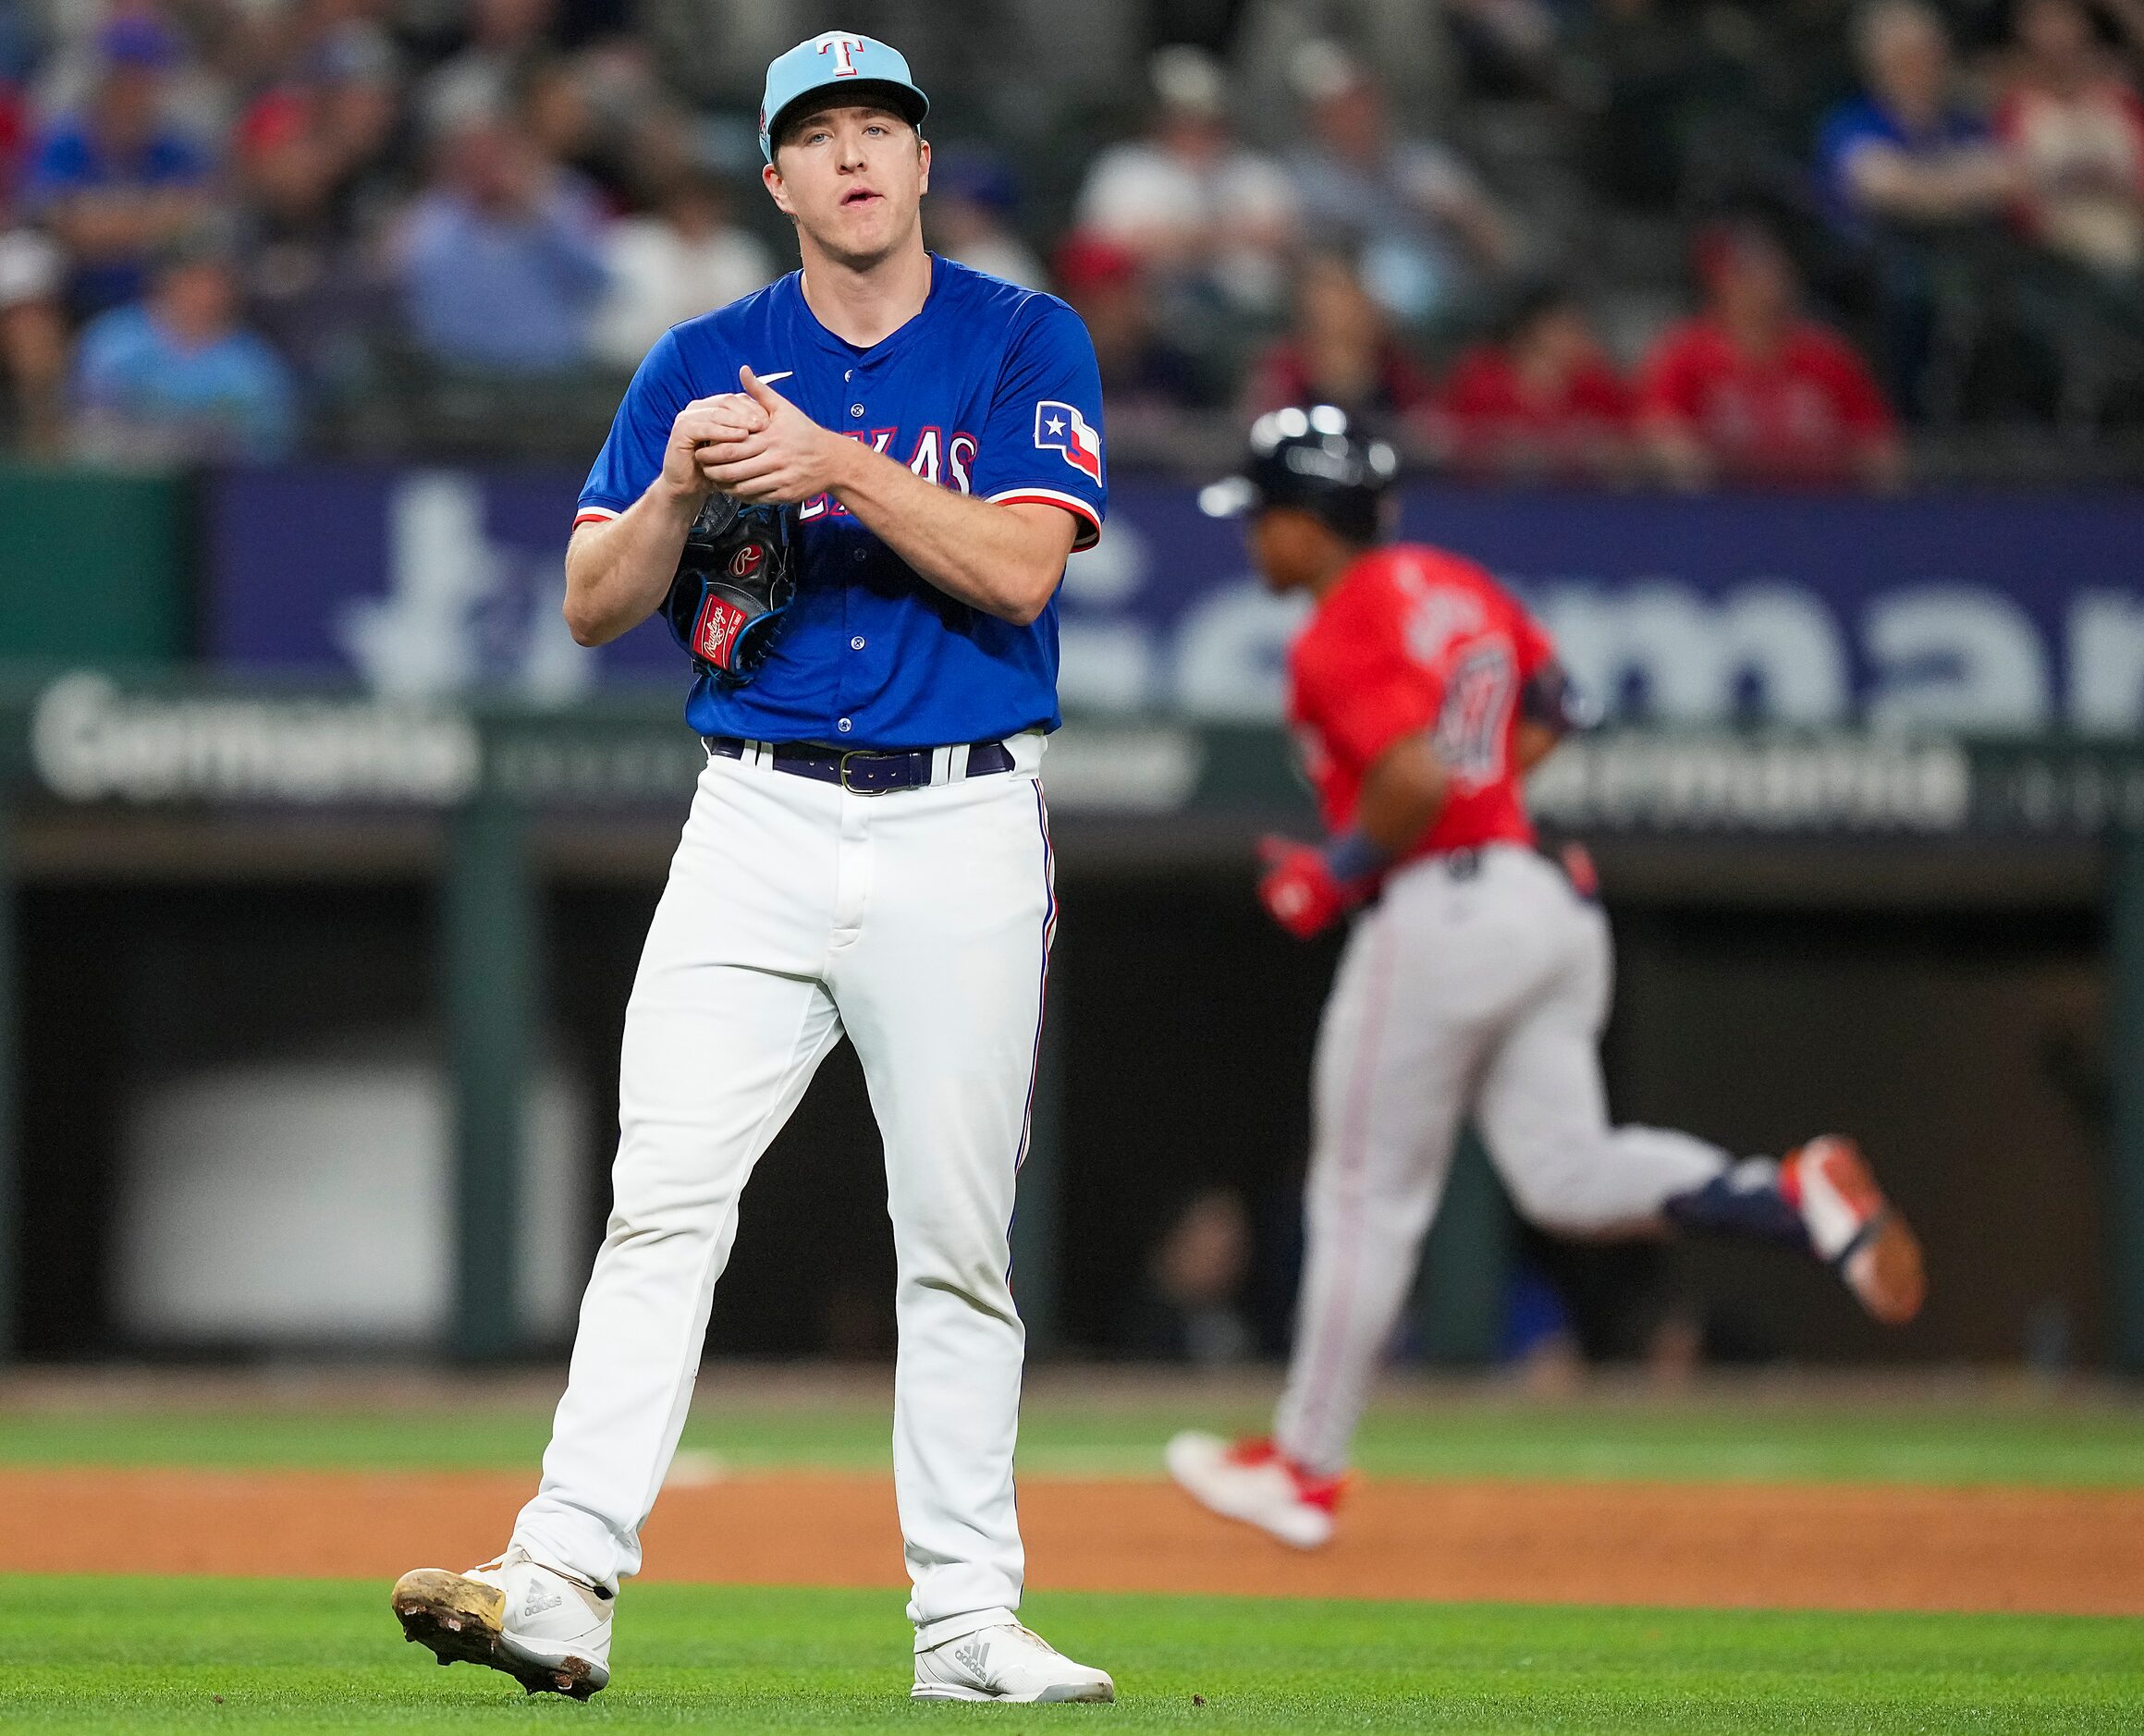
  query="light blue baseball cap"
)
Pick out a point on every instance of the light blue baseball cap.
point(840, 60)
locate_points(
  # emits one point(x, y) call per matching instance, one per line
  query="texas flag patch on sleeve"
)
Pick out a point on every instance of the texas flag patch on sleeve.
point(1061, 428)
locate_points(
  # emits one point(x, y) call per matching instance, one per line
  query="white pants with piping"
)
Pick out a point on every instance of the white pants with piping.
point(1477, 984)
point(919, 922)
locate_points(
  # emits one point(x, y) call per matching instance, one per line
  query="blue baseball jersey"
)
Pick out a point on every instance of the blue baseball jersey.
point(992, 389)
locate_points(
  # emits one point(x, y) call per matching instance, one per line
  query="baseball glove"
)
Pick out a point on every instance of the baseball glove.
point(736, 577)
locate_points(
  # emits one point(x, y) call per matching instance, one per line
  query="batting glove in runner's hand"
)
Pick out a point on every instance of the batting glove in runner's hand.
point(1300, 889)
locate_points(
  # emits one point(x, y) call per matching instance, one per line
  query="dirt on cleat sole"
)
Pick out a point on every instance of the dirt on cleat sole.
point(460, 1620)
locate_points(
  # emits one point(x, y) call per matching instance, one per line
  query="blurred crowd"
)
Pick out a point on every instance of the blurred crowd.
point(1622, 241)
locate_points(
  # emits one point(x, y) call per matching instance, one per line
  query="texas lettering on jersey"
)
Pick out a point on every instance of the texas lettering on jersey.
point(948, 460)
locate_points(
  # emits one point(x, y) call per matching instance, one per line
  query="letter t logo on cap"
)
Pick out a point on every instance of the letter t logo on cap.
point(842, 48)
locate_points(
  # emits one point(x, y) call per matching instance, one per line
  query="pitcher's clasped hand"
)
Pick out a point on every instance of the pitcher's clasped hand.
point(766, 448)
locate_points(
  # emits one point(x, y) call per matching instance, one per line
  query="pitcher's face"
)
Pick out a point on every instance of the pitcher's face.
point(853, 181)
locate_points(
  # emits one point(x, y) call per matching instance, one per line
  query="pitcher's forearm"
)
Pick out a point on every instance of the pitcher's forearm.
point(1003, 559)
point(617, 572)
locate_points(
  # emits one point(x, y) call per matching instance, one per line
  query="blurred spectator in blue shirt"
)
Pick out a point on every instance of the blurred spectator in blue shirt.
point(1414, 214)
point(1907, 153)
point(116, 181)
point(177, 378)
point(1916, 180)
point(502, 263)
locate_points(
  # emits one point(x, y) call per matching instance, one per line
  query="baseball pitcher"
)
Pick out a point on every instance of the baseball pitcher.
point(852, 494)
point(1475, 979)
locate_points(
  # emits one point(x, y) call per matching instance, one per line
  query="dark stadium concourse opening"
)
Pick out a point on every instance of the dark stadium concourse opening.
point(1963, 1045)
point(1965, 1050)
point(131, 987)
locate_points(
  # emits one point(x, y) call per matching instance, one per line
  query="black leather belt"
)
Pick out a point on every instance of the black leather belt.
point(863, 771)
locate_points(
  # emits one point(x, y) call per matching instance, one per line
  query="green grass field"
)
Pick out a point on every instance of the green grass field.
point(84, 1655)
point(140, 1654)
point(1986, 1438)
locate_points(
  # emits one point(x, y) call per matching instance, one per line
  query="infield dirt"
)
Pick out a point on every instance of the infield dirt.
point(1831, 1546)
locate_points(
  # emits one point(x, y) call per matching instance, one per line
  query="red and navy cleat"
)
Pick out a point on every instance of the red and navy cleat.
point(1854, 1229)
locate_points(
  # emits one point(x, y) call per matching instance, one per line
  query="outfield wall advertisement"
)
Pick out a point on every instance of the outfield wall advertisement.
point(1981, 613)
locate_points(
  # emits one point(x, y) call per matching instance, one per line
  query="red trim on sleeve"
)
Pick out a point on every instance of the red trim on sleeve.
point(1090, 531)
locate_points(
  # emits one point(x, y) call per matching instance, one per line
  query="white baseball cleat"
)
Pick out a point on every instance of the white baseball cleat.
point(1257, 1482)
point(549, 1633)
point(1008, 1662)
point(1854, 1229)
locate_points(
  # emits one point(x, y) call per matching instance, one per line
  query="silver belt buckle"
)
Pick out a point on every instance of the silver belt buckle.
point(851, 754)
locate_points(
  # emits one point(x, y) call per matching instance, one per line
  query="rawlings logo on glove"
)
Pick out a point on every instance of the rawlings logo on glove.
point(736, 577)
point(714, 633)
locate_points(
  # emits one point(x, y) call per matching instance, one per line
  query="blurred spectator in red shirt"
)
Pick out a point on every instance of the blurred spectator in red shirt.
point(1540, 398)
point(1751, 392)
point(2078, 131)
point(1341, 352)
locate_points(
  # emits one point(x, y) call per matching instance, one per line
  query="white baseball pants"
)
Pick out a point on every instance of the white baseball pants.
point(1475, 984)
point(918, 922)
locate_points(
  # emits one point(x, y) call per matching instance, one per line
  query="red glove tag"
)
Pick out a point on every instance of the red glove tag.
point(714, 633)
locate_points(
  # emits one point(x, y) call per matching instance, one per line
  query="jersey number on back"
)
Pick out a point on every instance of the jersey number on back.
point(1474, 719)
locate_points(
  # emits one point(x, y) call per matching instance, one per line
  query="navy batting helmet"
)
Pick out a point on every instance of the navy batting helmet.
point(1313, 461)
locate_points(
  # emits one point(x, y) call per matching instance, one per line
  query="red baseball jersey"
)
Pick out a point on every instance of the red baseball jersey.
point(1413, 638)
point(1796, 416)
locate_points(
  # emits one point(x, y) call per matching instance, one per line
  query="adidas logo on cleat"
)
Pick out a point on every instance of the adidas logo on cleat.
point(538, 1602)
point(973, 1655)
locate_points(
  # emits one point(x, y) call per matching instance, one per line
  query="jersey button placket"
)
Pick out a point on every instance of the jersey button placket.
point(847, 691)
point(845, 724)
